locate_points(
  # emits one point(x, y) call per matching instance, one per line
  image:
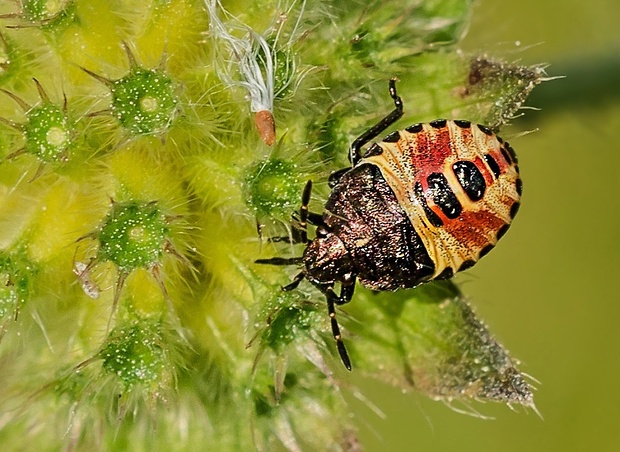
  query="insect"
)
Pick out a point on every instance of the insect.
point(422, 204)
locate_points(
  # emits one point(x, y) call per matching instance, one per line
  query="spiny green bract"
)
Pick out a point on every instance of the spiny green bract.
point(16, 277)
point(144, 101)
point(289, 316)
point(40, 10)
point(500, 88)
point(272, 187)
point(133, 235)
point(135, 353)
point(47, 133)
point(331, 137)
point(10, 58)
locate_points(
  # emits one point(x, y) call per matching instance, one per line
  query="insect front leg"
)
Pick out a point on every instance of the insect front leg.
point(294, 283)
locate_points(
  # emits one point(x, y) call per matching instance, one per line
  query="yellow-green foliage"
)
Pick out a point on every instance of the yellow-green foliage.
point(136, 192)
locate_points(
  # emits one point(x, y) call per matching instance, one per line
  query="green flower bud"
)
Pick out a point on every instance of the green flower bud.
point(144, 101)
point(134, 353)
point(47, 133)
point(272, 187)
point(133, 235)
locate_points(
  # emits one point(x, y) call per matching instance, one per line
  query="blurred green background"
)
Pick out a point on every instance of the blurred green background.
point(550, 291)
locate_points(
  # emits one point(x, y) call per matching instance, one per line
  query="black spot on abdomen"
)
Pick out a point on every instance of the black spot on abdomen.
point(393, 137)
point(469, 263)
point(484, 251)
point(514, 209)
point(443, 196)
point(462, 123)
point(492, 164)
point(414, 128)
point(432, 216)
point(373, 150)
point(470, 178)
point(519, 186)
point(447, 273)
point(502, 231)
point(438, 123)
point(485, 130)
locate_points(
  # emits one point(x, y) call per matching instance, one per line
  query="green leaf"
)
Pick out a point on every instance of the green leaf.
point(429, 339)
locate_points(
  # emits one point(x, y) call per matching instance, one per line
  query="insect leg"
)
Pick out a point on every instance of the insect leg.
point(316, 219)
point(281, 261)
point(300, 224)
point(354, 152)
point(295, 282)
point(303, 212)
point(332, 300)
point(334, 177)
point(331, 309)
point(294, 238)
point(301, 220)
point(346, 292)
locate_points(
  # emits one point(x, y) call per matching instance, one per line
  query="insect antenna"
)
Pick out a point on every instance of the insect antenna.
point(281, 261)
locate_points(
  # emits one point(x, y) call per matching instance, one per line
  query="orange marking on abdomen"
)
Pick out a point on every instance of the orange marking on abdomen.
point(474, 229)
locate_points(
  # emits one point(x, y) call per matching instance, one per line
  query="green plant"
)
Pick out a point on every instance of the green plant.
point(132, 313)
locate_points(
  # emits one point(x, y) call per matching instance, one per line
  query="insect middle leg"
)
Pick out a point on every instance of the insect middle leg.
point(395, 115)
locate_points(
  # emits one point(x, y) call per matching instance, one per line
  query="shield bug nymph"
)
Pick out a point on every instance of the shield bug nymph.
point(422, 204)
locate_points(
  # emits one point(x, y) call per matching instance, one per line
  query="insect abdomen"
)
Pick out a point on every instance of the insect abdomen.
point(458, 184)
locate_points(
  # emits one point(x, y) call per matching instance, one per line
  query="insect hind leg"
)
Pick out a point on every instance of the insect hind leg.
point(387, 121)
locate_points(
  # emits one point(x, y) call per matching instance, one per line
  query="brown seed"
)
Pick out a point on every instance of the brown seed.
point(266, 126)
